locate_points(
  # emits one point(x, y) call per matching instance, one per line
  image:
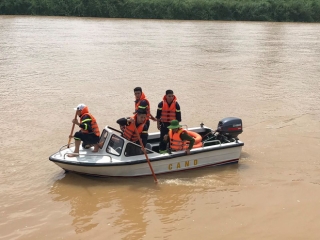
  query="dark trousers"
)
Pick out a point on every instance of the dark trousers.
point(163, 131)
point(87, 138)
point(148, 124)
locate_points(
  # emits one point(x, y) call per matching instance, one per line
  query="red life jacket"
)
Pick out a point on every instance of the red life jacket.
point(129, 131)
point(168, 113)
point(94, 125)
point(137, 104)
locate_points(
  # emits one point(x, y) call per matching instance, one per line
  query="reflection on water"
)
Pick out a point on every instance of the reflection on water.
point(88, 196)
point(129, 201)
point(74, 189)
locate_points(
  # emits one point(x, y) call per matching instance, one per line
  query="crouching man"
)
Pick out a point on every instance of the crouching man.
point(179, 139)
point(89, 132)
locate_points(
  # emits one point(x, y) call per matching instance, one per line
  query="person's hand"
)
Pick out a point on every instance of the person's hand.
point(165, 137)
point(75, 121)
point(122, 128)
point(158, 126)
point(153, 118)
point(131, 120)
point(188, 151)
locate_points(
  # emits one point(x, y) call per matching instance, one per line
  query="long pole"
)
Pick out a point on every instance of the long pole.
point(70, 136)
point(145, 152)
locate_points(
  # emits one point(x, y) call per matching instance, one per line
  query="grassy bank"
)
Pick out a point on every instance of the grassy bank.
point(247, 10)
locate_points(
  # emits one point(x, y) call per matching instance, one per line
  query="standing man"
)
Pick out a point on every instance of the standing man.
point(168, 110)
point(142, 103)
point(89, 131)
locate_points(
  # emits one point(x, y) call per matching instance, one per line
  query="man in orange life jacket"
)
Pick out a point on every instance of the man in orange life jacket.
point(89, 131)
point(128, 127)
point(142, 103)
point(168, 110)
point(179, 139)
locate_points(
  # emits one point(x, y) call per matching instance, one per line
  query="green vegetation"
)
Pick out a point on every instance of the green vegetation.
point(250, 10)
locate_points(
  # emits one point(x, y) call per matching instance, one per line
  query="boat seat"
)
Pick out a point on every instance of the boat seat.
point(149, 146)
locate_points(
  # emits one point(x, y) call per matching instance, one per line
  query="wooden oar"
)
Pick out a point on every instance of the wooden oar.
point(144, 151)
point(70, 136)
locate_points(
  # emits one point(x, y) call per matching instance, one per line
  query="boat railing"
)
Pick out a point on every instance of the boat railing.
point(65, 146)
point(211, 141)
point(185, 126)
point(88, 154)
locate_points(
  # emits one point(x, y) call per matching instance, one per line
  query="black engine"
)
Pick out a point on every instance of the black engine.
point(227, 131)
point(230, 127)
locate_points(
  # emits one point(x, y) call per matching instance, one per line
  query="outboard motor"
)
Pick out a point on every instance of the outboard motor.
point(230, 128)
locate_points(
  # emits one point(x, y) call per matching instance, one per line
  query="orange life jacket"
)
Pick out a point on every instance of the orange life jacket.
point(177, 144)
point(94, 125)
point(147, 108)
point(175, 141)
point(129, 131)
point(168, 113)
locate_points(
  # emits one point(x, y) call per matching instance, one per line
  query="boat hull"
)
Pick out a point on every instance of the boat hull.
point(166, 164)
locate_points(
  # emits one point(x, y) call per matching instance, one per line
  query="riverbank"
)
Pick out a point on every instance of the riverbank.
point(233, 10)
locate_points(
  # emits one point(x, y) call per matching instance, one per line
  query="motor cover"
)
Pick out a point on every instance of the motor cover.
point(230, 126)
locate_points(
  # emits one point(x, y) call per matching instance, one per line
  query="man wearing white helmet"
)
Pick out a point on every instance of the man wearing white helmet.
point(89, 132)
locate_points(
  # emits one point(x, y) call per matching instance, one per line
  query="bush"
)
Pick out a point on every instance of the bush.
point(250, 10)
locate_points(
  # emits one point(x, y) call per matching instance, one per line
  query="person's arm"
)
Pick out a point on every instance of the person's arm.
point(144, 135)
point(149, 110)
point(178, 112)
point(86, 123)
point(185, 137)
point(159, 112)
point(123, 122)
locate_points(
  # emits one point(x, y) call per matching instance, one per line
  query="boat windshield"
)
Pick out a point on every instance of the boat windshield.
point(103, 138)
point(115, 145)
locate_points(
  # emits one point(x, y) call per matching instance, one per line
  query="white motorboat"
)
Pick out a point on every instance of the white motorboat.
point(118, 157)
